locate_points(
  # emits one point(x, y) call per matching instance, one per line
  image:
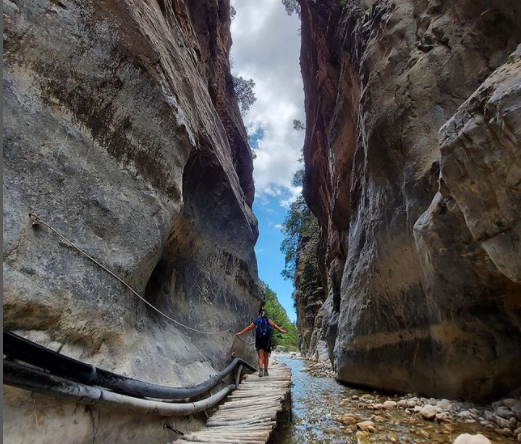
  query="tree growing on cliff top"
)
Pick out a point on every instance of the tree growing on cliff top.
point(299, 228)
point(292, 6)
point(298, 125)
point(244, 92)
point(277, 314)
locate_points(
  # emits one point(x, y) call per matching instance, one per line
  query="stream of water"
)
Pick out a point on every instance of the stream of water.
point(319, 404)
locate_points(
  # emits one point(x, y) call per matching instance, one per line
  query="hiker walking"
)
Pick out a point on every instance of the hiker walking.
point(262, 327)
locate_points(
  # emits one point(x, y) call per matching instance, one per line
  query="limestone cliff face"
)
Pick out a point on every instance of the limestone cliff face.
point(309, 295)
point(121, 129)
point(413, 169)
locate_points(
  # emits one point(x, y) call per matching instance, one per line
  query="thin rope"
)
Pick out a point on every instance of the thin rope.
point(38, 220)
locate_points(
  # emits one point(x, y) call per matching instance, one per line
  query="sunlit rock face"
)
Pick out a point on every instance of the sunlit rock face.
point(413, 168)
point(121, 130)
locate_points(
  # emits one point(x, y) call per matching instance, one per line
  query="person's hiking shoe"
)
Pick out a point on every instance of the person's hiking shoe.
point(260, 373)
point(266, 373)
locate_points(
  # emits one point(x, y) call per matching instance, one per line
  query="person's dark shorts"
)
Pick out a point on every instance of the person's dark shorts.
point(263, 344)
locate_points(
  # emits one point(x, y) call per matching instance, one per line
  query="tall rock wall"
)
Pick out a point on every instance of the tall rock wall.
point(412, 158)
point(122, 131)
point(309, 294)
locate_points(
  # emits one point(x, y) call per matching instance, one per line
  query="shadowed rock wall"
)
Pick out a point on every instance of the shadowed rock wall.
point(121, 129)
point(309, 297)
point(420, 216)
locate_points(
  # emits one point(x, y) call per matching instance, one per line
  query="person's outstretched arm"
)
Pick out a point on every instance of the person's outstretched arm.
point(276, 327)
point(248, 328)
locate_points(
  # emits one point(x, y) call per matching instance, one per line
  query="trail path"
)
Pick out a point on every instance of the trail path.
point(249, 414)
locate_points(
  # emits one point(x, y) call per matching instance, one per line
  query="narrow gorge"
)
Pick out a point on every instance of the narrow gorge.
point(123, 135)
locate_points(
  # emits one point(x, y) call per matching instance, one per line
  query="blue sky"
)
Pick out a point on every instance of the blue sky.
point(269, 257)
point(266, 48)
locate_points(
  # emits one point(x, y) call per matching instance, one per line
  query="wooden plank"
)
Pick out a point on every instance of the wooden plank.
point(253, 419)
point(259, 426)
point(248, 416)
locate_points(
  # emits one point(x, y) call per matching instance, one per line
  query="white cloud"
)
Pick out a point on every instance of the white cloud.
point(266, 48)
point(294, 192)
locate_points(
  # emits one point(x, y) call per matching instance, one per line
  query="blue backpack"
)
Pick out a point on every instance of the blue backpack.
point(263, 328)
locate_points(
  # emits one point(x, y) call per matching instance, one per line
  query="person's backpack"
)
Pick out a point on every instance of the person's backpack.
point(263, 328)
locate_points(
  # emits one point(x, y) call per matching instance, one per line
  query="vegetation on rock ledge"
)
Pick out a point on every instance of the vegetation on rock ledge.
point(301, 235)
point(300, 247)
point(244, 92)
point(277, 314)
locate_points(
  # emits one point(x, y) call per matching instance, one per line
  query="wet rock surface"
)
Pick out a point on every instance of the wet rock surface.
point(419, 217)
point(326, 411)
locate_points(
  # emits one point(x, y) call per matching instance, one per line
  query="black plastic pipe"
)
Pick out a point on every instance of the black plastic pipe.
point(21, 349)
point(38, 381)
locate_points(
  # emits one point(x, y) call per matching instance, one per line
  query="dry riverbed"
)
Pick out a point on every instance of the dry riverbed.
point(325, 411)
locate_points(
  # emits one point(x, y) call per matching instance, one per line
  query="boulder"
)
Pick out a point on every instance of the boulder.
point(366, 426)
point(428, 412)
point(348, 419)
point(387, 405)
point(505, 412)
point(444, 404)
point(511, 402)
point(517, 410)
point(471, 439)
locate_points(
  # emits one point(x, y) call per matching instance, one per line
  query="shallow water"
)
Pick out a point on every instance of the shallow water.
point(319, 401)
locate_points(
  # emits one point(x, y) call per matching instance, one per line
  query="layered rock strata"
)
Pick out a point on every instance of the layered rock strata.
point(122, 131)
point(412, 169)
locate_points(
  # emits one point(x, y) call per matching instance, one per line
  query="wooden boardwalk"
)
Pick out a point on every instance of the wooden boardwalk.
point(249, 414)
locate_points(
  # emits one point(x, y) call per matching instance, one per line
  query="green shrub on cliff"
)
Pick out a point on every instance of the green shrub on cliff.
point(244, 93)
point(292, 6)
point(277, 314)
point(300, 243)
